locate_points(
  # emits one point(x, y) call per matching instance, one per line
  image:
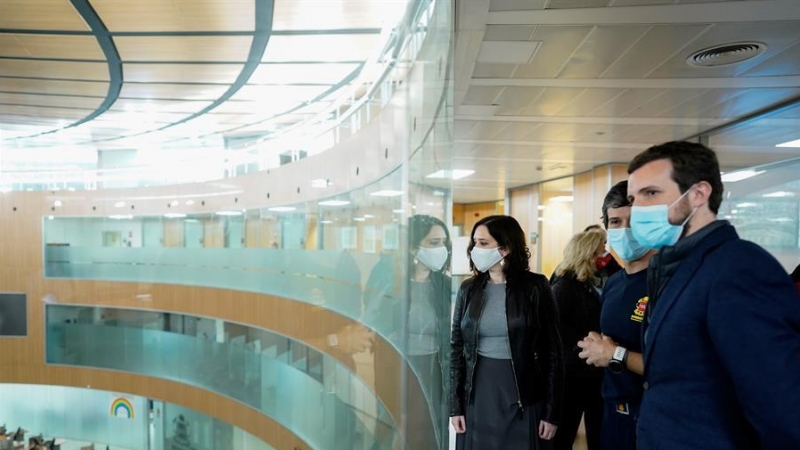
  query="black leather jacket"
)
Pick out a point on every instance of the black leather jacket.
point(533, 334)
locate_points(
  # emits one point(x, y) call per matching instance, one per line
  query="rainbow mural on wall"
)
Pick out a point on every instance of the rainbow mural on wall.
point(122, 408)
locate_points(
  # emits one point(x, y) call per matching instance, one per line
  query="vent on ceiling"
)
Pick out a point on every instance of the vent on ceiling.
point(726, 54)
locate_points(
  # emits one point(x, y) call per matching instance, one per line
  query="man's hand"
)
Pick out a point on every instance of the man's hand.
point(597, 349)
point(459, 424)
point(547, 430)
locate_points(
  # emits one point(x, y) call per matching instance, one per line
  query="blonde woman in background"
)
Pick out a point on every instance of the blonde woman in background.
point(575, 288)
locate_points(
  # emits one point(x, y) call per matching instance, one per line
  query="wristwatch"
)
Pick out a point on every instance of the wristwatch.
point(618, 360)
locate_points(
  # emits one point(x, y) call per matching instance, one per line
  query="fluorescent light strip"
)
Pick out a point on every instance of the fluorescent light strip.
point(386, 193)
point(334, 203)
point(794, 144)
point(739, 175)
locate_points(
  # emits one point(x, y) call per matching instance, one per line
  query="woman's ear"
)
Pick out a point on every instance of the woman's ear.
point(503, 251)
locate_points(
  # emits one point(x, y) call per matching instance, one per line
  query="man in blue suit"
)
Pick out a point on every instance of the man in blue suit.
point(722, 328)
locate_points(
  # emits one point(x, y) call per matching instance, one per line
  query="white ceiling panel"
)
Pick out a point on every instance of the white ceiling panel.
point(515, 131)
point(588, 101)
point(693, 107)
point(602, 47)
point(649, 52)
point(482, 95)
point(301, 73)
point(508, 32)
point(628, 101)
point(552, 100)
point(493, 70)
point(667, 101)
point(777, 36)
point(749, 101)
point(778, 63)
point(516, 5)
point(558, 45)
point(513, 100)
point(336, 14)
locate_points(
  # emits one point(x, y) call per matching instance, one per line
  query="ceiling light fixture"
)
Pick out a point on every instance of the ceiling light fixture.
point(779, 194)
point(174, 215)
point(794, 144)
point(334, 203)
point(282, 208)
point(119, 204)
point(228, 213)
point(386, 193)
point(739, 175)
point(455, 174)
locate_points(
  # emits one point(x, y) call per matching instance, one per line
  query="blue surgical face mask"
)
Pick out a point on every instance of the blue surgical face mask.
point(650, 224)
point(626, 246)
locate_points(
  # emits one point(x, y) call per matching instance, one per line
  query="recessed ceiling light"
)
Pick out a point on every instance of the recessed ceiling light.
point(120, 216)
point(282, 208)
point(50, 217)
point(794, 144)
point(174, 203)
point(739, 175)
point(119, 204)
point(455, 174)
point(779, 194)
point(386, 193)
point(334, 203)
point(229, 213)
point(57, 203)
point(189, 202)
point(174, 215)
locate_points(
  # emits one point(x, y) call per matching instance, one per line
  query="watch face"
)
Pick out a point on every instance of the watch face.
point(615, 366)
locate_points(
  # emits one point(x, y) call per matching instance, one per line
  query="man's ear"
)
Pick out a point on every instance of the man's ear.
point(701, 194)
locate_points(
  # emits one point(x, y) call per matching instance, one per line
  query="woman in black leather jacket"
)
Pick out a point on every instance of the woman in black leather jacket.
point(574, 285)
point(506, 368)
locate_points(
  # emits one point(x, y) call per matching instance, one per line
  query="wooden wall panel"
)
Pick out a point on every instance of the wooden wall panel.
point(583, 213)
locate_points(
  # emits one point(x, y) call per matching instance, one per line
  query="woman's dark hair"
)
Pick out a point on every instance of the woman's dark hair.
point(617, 197)
point(420, 225)
point(691, 164)
point(509, 235)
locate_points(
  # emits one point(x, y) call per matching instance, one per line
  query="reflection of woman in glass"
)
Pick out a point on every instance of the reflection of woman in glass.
point(427, 313)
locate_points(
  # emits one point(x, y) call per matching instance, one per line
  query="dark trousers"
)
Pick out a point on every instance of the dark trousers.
point(581, 397)
point(619, 425)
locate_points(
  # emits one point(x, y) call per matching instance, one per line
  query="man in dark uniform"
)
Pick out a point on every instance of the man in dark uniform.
point(722, 327)
point(619, 348)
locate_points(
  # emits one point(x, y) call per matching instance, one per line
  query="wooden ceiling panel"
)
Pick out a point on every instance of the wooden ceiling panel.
point(67, 114)
point(50, 100)
point(54, 87)
point(177, 15)
point(173, 91)
point(328, 15)
point(341, 47)
point(40, 15)
point(182, 73)
point(169, 106)
point(54, 69)
point(184, 48)
point(50, 46)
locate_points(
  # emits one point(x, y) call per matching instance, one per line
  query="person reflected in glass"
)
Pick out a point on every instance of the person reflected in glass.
point(427, 314)
point(506, 367)
point(575, 287)
point(619, 348)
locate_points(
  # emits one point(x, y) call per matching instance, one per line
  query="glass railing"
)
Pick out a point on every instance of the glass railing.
point(75, 417)
point(308, 392)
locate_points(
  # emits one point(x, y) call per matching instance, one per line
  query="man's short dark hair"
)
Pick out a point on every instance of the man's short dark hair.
point(691, 164)
point(617, 197)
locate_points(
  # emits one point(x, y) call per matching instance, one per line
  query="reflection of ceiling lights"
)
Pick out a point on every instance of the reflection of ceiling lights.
point(779, 194)
point(282, 208)
point(120, 216)
point(359, 219)
point(452, 174)
point(746, 205)
point(562, 199)
point(229, 213)
point(174, 215)
point(326, 221)
point(386, 193)
point(780, 219)
point(795, 143)
point(334, 203)
point(739, 175)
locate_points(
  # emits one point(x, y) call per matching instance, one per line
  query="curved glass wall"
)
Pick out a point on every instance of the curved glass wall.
point(306, 391)
point(351, 253)
point(77, 416)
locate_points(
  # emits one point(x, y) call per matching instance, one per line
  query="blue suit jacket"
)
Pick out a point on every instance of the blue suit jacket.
point(722, 353)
